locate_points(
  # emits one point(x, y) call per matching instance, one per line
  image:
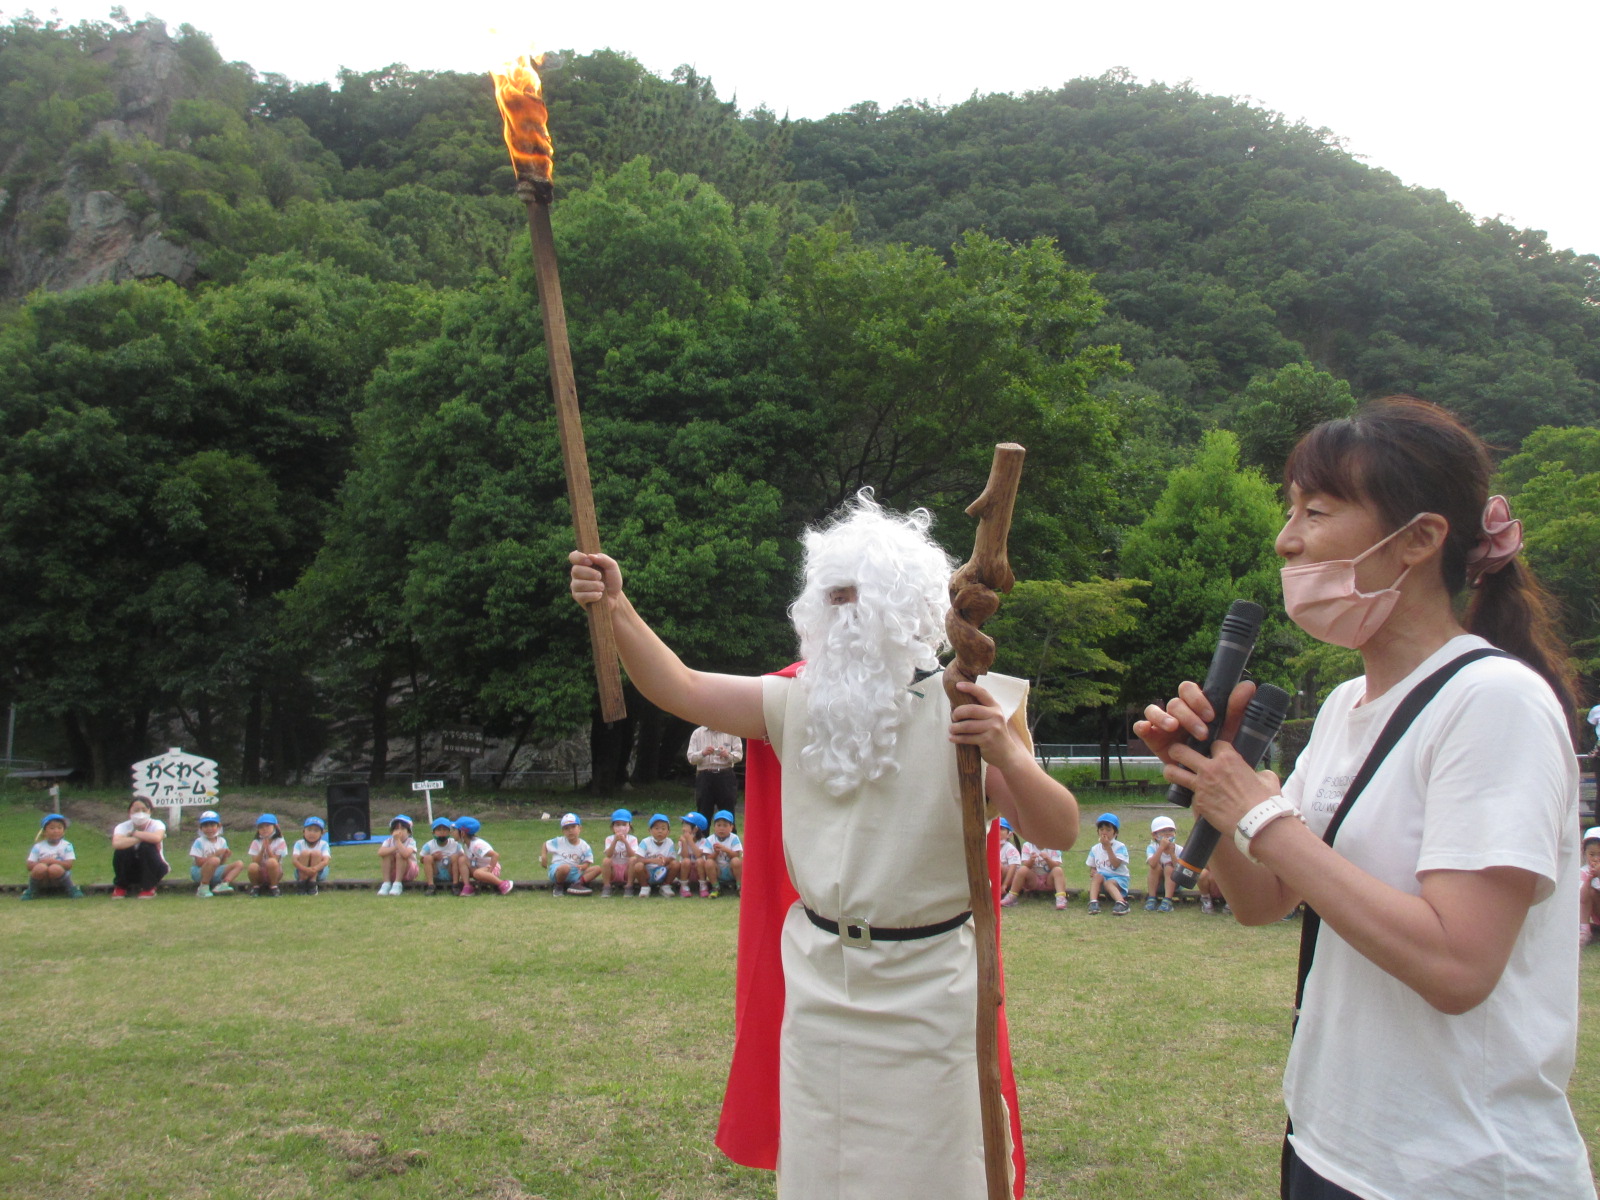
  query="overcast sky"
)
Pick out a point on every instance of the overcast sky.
point(1491, 105)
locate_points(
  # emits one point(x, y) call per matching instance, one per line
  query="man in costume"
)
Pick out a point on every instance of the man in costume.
point(869, 1025)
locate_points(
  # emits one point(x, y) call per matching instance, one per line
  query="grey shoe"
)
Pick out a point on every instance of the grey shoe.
point(1150, 904)
point(1094, 908)
point(1119, 909)
point(1164, 906)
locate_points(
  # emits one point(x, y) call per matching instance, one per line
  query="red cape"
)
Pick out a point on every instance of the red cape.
point(748, 1130)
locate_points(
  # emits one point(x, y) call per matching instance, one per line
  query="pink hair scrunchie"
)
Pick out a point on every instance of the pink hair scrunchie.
point(1499, 542)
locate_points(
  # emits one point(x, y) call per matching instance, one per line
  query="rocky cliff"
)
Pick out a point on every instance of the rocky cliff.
point(62, 231)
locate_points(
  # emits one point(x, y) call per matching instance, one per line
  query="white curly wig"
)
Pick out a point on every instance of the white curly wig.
point(861, 656)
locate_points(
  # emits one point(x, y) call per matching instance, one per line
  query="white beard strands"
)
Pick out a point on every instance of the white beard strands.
point(860, 657)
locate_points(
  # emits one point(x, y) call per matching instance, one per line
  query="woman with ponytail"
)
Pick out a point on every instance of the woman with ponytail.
point(1430, 826)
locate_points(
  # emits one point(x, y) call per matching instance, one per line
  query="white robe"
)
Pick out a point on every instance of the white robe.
point(878, 1083)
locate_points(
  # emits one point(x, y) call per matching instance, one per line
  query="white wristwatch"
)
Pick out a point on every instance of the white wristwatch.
point(1258, 818)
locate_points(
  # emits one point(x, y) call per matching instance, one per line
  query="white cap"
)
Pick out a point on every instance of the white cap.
point(208, 815)
point(1161, 823)
point(1592, 832)
point(569, 819)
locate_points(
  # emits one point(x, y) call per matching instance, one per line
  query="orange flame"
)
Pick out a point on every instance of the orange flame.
point(521, 98)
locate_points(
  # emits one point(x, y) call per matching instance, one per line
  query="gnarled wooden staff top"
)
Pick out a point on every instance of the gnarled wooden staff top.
point(972, 602)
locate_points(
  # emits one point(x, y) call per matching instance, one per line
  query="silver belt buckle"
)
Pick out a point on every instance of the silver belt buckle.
point(854, 931)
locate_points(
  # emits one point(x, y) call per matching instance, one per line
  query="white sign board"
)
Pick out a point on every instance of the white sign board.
point(176, 779)
point(427, 785)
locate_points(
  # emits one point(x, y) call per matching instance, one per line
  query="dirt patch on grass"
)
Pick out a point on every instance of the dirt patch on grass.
point(364, 1154)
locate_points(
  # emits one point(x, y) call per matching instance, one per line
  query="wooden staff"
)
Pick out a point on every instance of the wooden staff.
point(574, 457)
point(972, 602)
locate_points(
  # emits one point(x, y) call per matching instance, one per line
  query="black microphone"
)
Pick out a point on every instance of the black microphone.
point(1235, 641)
point(1263, 717)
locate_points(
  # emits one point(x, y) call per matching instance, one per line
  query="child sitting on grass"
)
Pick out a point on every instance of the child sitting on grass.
point(724, 854)
point(1589, 886)
point(442, 859)
point(1161, 856)
point(311, 856)
point(1010, 866)
point(1038, 870)
point(620, 854)
point(210, 867)
point(569, 860)
point(1108, 866)
point(50, 860)
point(657, 864)
point(692, 865)
point(399, 855)
point(483, 864)
point(267, 853)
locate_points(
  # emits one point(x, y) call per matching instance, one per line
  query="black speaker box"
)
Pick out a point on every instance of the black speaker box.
point(349, 812)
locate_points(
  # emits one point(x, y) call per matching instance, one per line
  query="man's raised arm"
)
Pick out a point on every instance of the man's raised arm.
point(731, 703)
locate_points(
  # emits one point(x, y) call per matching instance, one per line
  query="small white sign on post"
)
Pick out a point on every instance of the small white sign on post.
point(429, 786)
point(177, 780)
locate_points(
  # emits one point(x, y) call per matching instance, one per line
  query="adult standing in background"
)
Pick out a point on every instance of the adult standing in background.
point(1438, 1024)
point(716, 783)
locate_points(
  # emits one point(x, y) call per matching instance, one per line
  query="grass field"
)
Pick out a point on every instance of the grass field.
point(519, 1047)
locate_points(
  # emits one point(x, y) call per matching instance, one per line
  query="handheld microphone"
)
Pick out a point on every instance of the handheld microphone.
point(1262, 720)
point(1235, 641)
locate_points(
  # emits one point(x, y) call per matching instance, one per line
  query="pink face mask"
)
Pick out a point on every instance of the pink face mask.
point(1322, 598)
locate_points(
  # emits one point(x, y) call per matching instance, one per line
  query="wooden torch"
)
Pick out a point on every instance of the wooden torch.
point(522, 109)
point(972, 602)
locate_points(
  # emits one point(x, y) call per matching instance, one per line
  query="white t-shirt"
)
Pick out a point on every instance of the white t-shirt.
point(450, 849)
point(690, 848)
point(650, 848)
point(1168, 858)
point(1100, 861)
point(618, 850)
point(1010, 856)
point(730, 843)
point(1594, 717)
point(1031, 852)
point(128, 829)
point(205, 847)
point(404, 842)
point(574, 854)
point(478, 852)
point(46, 852)
point(277, 849)
point(320, 846)
point(1390, 1098)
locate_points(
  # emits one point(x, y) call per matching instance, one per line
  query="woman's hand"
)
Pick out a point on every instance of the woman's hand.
point(1224, 785)
point(595, 578)
point(982, 723)
point(1189, 714)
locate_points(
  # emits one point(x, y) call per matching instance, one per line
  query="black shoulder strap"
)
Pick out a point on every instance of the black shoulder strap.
point(1400, 721)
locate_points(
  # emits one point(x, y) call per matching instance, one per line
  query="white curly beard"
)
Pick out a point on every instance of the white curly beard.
point(860, 657)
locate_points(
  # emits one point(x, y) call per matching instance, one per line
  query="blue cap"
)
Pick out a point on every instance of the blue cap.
point(317, 821)
point(48, 817)
point(266, 819)
point(468, 825)
point(209, 817)
point(1109, 819)
point(398, 817)
point(662, 817)
point(445, 821)
point(722, 814)
point(622, 814)
point(698, 820)
point(1005, 824)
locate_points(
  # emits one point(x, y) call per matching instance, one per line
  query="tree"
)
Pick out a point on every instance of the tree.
point(1278, 408)
point(1054, 634)
point(1207, 542)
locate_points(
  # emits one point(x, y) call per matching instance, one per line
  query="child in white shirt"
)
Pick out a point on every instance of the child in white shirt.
point(1108, 866)
point(569, 859)
point(1161, 856)
point(311, 856)
point(692, 864)
point(399, 855)
point(483, 864)
point(724, 853)
point(267, 853)
point(50, 860)
point(657, 864)
point(620, 854)
point(442, 858)
point(1040, 871)
point(212, 866)
point(1010, 866)
point(1589, 885)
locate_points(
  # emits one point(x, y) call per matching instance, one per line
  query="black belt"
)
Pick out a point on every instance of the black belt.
point(859, 933)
